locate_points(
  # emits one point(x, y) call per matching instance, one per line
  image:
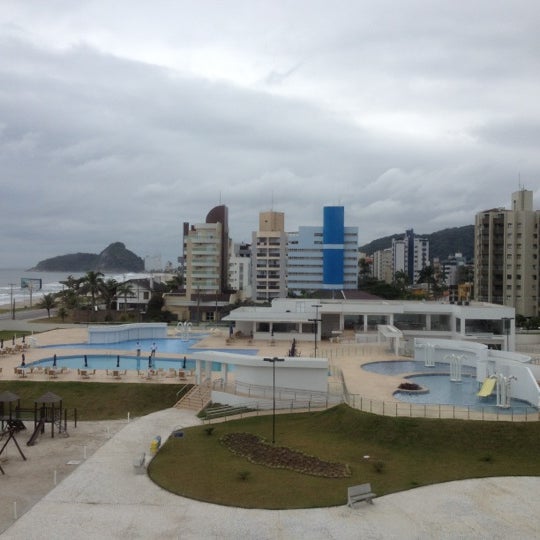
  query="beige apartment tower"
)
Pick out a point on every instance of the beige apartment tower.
point(506, 255)
point(269, 257)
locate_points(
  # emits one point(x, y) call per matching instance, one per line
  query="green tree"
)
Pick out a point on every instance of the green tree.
point(48, 302)
point(401, 281)
point(91, 283)
point(108, 290)
point(364, 271)
point(427, 275)
point(62, 313)
point(124, 290)
point(175, 283)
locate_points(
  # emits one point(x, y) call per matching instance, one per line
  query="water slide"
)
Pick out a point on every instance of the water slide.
point(32, 440)
point(487, 387)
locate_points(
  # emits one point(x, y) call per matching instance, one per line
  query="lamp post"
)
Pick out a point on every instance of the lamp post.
point(274, 360)
point(506, 327)
point(315, 321)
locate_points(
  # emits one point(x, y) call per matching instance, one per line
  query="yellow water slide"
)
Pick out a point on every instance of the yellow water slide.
point(487, 387)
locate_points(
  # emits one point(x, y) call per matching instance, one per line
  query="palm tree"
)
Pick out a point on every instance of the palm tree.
point(108, 290)
point(401, 280)
point(125, 289)
point(62, 313)
point(175, 283)
point(48, 302)
point(92, 283)
point(427, 275)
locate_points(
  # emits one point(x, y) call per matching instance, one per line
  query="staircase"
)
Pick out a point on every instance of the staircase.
point(196, 399)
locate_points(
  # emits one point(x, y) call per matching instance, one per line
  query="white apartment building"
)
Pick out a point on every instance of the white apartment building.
point(206, 254)
point(240, 269)
point(382, 265)
point(410, 255)
point(506, 255)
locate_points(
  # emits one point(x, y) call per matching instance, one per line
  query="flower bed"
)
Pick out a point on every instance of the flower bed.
point(257, 451)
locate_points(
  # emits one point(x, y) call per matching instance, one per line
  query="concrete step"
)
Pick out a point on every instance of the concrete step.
point(196, 399)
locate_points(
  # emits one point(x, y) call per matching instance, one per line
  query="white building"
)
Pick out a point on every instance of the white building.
point(240, 269)
point(323, 257)
point(289, 318)
point(410, 255)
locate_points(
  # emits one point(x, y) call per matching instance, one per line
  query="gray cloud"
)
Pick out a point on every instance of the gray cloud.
point(121, 128)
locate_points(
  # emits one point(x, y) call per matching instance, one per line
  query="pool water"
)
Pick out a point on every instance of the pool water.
point(442, 391)
point(400, 367)
point(463, 394)
point(164, 345)
point(109, 361)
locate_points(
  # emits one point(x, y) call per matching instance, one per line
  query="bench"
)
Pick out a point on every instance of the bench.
point(359, 493)
point(138, 463)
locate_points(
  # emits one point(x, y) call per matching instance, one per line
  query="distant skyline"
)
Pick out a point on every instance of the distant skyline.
point(121, 120)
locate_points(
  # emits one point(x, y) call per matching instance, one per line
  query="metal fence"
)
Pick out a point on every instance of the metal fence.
point(455, 412)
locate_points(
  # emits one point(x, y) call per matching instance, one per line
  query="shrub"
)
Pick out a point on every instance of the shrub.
point(243, 475)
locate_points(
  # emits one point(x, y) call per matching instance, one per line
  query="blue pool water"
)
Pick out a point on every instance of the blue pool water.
point(399, 367)
point(109, 361)
point(463, 394)
point(164, 345)
point(442, 391)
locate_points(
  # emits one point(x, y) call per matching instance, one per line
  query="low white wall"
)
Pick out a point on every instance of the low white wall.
point(125, 332)
point(307, 377)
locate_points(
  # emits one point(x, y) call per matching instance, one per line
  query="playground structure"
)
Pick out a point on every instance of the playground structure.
point(48, 409)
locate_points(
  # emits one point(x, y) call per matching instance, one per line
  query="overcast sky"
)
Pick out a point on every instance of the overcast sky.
point(121, 120)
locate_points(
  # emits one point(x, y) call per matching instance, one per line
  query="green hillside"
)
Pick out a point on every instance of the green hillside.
point(441, 243)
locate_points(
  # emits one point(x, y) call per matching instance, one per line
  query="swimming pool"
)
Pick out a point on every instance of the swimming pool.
point(112, 361)
point(443, 391)
point(400, 367)
point(163, 345)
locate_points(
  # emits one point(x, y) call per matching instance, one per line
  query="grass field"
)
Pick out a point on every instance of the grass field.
point(99, 401)
point(403, 453)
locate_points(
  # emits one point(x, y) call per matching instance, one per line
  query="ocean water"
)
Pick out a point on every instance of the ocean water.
point(11, 290)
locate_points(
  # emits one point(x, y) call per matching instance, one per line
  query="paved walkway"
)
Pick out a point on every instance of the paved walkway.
point(103, 498)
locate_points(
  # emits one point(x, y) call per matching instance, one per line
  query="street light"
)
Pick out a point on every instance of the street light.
point(315, 321)
point(274, 360)
point(506, 327)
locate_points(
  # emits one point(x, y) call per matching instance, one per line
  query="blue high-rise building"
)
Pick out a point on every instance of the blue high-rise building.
point(323, 257)
point(333, 247)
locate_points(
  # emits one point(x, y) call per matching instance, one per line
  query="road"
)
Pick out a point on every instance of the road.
point(25, 314)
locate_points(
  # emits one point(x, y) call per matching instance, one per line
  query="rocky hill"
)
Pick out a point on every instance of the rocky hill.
point(441, 243)
point(114, 258)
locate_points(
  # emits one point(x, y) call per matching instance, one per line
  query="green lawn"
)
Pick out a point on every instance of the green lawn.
point(99, 401)
point(411, 452)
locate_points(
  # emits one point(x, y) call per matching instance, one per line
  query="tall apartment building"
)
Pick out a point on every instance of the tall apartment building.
point(269, 257)
point(240, 269)
point(323, 257)
point(206, 247)
point(382, 265)
point(410, 255)
point(506, 255)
